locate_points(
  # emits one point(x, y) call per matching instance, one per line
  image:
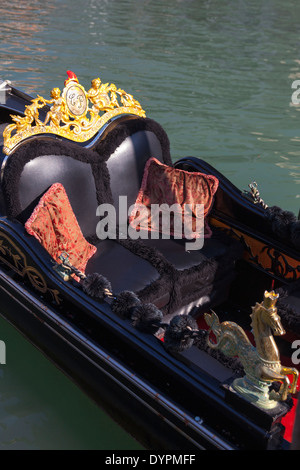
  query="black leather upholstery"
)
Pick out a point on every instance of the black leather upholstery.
point(125, 270)
point(175, 251)
point(200, 277)
point(160, 271)
point(126, 165)
point(76, 177)
point(288, 306)
point(41, 162)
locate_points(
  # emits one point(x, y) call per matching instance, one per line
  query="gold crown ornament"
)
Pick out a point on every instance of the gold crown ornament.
point(270, 299)
point(74, 113)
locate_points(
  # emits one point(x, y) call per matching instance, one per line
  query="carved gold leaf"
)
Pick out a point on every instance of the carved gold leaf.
point(74, 113)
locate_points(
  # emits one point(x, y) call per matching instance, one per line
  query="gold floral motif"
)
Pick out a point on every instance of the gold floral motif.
point(69, 115)
point(12, 256)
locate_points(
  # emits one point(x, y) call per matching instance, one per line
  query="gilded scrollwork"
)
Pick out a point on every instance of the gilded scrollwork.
point(58, 112)
point(70, 115)
point(14, 258)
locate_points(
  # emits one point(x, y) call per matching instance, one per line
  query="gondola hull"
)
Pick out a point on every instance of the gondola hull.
point(158, 422)
point(169, 400)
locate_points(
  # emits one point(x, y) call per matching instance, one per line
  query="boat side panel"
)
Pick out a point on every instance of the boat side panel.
point(198, 391)
point(242, 219)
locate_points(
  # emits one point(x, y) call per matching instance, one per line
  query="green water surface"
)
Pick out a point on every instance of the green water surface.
point(216, 74)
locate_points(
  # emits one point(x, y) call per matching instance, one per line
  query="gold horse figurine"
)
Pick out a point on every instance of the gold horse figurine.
point(261, 363)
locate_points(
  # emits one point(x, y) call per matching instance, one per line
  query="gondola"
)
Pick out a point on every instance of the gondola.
point(188, 342)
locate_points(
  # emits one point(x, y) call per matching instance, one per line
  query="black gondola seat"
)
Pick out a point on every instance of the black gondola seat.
point(159, 271)
point(187, 278)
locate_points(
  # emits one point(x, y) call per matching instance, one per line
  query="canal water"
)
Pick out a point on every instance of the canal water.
point(216, 74)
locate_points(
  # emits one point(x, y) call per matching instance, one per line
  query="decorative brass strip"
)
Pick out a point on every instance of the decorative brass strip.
point(14, 258)
point(70, 115)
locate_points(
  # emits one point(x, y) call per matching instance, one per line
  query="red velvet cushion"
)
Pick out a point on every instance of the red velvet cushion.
point(55, 226)
point(164, 184)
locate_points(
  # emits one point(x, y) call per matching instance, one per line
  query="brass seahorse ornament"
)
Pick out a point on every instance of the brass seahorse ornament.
point(261, 363)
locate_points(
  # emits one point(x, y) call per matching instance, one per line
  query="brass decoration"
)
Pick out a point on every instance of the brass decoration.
point(254, 195)
point(70, 115)
point(261, 363)
point(12, 256)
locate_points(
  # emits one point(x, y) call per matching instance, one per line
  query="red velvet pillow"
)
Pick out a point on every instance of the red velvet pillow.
point(164, 184)
point(54, 224)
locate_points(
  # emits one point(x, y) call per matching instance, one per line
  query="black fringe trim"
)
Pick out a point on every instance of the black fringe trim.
point(284, 224)
point(114, 138)
point(168, 280)
point(39, 147)
point(289, 314)
point(200, 277)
